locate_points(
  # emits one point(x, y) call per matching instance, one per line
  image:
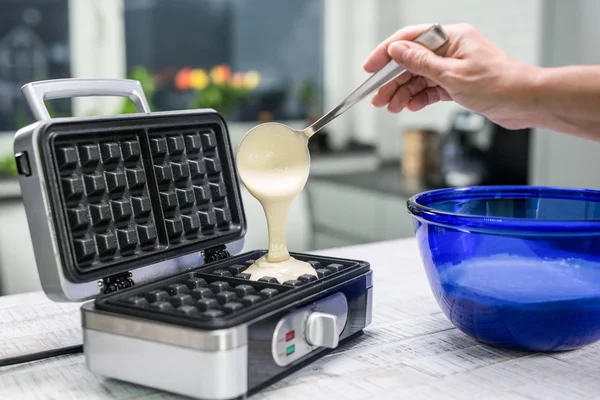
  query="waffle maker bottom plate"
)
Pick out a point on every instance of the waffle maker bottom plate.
point(140, 215)
point(210, 335)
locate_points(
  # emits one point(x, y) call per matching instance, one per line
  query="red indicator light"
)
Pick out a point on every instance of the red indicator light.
point(289, 336)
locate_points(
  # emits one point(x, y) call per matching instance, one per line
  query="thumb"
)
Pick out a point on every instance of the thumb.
point(418, 60)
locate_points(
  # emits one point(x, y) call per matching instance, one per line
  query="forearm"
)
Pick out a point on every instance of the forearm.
point(567, 99)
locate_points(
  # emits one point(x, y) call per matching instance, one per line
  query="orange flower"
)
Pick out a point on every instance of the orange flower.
point(182, 79)
point(220, 74)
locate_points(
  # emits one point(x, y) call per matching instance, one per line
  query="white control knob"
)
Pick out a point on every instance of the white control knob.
point(321, 330)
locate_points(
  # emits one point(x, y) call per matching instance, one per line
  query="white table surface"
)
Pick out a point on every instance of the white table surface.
point(410, 351)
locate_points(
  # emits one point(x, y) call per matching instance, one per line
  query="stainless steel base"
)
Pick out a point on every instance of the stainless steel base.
point(208, 364)
point(176, 369)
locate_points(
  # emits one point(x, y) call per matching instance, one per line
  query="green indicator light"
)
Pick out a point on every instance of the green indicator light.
point(290, 349)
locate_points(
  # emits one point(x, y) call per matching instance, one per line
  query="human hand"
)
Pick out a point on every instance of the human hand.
point(468, 69)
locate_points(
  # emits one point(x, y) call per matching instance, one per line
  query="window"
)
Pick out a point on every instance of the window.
point(266, 56)
point(34, 45)
point(249, 59)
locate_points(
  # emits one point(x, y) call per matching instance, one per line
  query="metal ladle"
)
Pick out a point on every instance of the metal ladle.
point(433, 38)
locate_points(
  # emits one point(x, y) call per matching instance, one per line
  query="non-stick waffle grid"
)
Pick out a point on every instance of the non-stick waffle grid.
point(106, 192)
point(193, 194)
point(128, 196)
point(218, 293)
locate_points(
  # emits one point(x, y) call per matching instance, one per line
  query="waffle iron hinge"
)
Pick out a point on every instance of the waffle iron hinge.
point(116, 282)
point(124, 280)
point(215, 254)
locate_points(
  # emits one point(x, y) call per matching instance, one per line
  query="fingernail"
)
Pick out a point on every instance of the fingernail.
point(398, 51)
point(374, 99)
point(374, 104)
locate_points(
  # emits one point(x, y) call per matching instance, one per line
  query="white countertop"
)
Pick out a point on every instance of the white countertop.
point(411, 351)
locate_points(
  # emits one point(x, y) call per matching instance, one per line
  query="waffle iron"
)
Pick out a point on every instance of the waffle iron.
point(140, 218)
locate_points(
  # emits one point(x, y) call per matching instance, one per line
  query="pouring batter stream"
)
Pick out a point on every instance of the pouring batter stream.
point(274, 163)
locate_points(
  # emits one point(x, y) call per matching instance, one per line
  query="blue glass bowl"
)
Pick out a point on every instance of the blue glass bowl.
point(514, 267)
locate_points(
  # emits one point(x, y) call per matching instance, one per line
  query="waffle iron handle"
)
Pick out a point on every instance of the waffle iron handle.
point(36, 92)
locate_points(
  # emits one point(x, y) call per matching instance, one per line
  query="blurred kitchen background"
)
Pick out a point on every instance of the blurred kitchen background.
point(292, 60)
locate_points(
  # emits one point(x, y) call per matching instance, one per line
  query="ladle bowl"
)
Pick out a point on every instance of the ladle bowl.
point(514, 267)
point(268, 145)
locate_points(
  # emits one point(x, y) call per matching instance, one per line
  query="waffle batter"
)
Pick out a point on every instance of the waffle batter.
point(274, 163)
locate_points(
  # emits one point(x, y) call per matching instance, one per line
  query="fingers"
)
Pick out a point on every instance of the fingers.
point(427, 97)
point(405, 93)
point(384, 95)
point(379, 57)
point(420, 61)
point(397, 94)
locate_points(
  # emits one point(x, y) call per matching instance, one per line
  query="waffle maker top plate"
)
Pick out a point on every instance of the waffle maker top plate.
point(116, 200)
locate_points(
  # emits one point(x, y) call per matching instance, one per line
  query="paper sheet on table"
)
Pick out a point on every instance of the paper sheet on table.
point(410, 351)
point(32, 323)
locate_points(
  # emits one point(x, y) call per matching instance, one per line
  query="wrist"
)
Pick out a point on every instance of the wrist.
point(528, 94)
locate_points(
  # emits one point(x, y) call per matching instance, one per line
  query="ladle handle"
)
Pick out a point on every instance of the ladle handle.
point(433, 38)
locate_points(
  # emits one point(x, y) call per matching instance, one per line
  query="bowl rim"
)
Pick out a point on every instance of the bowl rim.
point(502, 224)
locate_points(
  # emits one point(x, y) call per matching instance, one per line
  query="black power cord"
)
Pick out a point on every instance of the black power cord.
point(41, 355)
